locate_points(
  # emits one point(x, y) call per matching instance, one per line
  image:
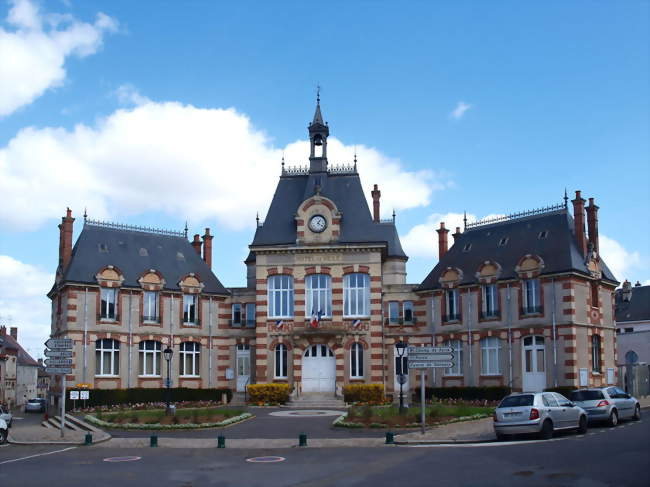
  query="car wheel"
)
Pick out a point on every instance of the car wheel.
point(546, 432)
point(3, 436)
point(637, 413)
point(613, 418)
point(582, 425)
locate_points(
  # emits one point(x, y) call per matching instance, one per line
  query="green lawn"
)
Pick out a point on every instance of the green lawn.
point(435, 413)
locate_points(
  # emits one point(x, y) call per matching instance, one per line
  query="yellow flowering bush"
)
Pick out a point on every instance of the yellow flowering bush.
point(268, 393)
point(364, 393)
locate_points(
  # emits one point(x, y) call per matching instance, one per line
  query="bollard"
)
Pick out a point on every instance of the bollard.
point(89, 439)
point(153, 441)
point(221, 442)
point(302, 439)
point(390, 438)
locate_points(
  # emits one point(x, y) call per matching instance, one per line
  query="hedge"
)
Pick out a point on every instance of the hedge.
point(187, 426)
point(268, 393)
point(108, 397)
point(366, 393)
point(489, 393)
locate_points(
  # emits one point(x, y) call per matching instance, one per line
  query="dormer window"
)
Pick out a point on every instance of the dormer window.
point(542, 235)
point(103, 248)
point(503, 241)
point(467, 247)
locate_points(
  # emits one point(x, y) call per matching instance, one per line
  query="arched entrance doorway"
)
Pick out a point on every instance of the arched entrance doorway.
point(534, 364)
point(318, 369)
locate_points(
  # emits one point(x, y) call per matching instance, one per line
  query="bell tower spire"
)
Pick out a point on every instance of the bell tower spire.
point(318, 133)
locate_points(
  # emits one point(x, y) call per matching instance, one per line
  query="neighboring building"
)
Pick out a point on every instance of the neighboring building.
point(20, 370)
point(633, 324)
point(326, 298)
point(43, 385)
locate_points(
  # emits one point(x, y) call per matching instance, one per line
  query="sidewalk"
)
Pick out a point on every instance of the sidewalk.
point(479, 430)
point(35, 434)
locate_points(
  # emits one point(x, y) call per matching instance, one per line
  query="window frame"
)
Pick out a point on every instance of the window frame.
point(251, 316)
point(104, 309)
point(490, 300)
point(356, 298)
point(146, 304)
point(156, 358)
point(536, 306)
point(408, 306)
point(490, 346)
point(596, 349)
point(189, 309)
point(452, 301)
point(284, 293)
point(393, 312)
point(356, 361)
point(321, 293)
point(236, 308)
point(280, 366)
point(194, 356)
point(457, 369)
point(113, 354)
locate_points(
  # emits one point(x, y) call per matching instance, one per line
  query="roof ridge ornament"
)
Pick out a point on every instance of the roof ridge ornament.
point(515, 216)
point(136, 228)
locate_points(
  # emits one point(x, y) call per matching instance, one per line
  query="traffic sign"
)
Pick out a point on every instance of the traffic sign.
point(58, 362)
point(58, 353)
point(431, 356)
point(74, 395)
point(60, 343)
point(416, 350)
point(58, 370)
point(429, 364)
point(84, 395)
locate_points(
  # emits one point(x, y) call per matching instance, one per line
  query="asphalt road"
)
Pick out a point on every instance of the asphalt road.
point(618, 457)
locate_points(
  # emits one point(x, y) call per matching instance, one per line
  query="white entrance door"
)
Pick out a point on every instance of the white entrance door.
point(318, 369)
point(243, 366)
point(534, 364)
point(402, 366)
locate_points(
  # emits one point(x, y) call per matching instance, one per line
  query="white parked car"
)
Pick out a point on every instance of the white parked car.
point(4, 430)
point(6, 416)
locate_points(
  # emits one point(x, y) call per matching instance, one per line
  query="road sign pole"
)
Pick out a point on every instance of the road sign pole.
point(422, 413)
point(62, 404)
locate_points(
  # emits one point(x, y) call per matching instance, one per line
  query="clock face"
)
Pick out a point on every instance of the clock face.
point(317, 223)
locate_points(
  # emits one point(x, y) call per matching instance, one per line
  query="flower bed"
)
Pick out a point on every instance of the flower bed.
point(153, 419)
point(389, 417)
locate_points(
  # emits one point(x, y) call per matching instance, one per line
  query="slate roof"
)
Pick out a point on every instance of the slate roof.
point(637, 308)
point(345, 190)
point(559, 250)
point(134, 253)
point(22, 357)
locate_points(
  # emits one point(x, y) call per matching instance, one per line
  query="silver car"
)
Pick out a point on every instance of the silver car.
point(37, 405)
point(6, 416)
point(609, 404)
point(537, 412)
point(3, 431)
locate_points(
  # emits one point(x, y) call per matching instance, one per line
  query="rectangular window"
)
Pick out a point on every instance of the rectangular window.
point(250, 315)
point(107, 357)
point(408, 312)
point(150, 307)
point(318, 295)
point(490, 301)
point(189, 361)
point(457, 369)
point(189, 309)
point(236, 315)
point(356, 361)
point(150, 356)
point(490, 356)
point(595, 353)
point(356, 295)
point(281, 361)
point(453, 311)
point(393, 312)
point(531, 294)
point(280, 296)
point(108, 304)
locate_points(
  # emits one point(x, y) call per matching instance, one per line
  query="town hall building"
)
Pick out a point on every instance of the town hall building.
point(525, 301)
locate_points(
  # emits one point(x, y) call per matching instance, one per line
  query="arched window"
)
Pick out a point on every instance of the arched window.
point(356, 361)
point(280, 361)
point(595, 353)
point(490, 349)
point(107, 357)
point(457, 346)
point(150, 356)
point(190, 359)
point(280, 296)
point(356, 295)
point(319, 295)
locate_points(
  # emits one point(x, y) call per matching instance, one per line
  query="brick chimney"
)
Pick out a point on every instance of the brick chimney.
point(3, 330)
point(442, 240)
point(207, 248)
point(579, 219)
point(592, 224)
point(196, 243)
point(13, 331)
point(376, 194)
point(65, 239)
point(456, 234)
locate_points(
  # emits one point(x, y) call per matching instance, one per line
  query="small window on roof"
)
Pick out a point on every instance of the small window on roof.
point(467, 247)
point(543, 234)
point(503, 241)
point(143, 252)
point(103, 248)
point(180, 256)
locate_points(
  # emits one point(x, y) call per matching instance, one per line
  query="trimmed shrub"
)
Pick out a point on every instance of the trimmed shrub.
point(268, 393)
point(366, 393)
point(491, 393)
point(111, 397)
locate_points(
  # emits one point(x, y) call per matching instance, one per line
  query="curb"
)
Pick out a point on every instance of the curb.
point(442, 442)
point(70, 443)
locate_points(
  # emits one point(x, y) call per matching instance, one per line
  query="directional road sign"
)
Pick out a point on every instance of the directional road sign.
point(58, 362)
point(58, 353)
point(418, 350)
point(429, 364)
point(59, 343)
point(431, 356)
point(58, 370)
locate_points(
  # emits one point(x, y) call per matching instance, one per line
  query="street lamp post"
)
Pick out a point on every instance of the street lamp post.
point(168, 353)
point(400, 347)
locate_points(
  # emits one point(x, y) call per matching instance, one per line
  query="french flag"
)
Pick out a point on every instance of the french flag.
point(356, 323)
point(279, 323)
point(315, 318)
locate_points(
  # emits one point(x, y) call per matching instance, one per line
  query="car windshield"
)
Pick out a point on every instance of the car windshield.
point(586, 395)
point(516, 401)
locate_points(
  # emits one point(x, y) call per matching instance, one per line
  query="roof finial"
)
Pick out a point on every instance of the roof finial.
point(282, 162)
point(257, 218)
point(318, 94)
point(393, 215)
point(464, 220)
point(85, 214)
point(185, 229)
point(566, 199)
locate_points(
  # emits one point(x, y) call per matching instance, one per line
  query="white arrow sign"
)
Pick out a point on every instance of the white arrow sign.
point(58, 362)
point(412, 350)
point(58, 353)
point(58, 370)
point(429, 364)
point(60, 343)
point(431, 356)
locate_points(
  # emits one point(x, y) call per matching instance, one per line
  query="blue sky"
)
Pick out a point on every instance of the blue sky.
point(155, 113)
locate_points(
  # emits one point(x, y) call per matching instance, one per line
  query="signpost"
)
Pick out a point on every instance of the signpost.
point(59, 362)
point(428, 358)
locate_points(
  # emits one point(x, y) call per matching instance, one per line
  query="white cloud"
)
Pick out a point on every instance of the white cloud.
point(619, 260)
point(127, 94)
point(458, 112)
point(34, 48)
point(188, 162)
point(23, 302)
